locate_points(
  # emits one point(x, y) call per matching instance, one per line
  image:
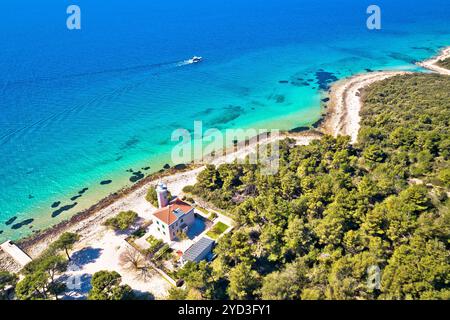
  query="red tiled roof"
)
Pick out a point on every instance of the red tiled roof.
point(166, 214)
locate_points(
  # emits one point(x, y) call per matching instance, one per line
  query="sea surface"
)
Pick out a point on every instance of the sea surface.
point(86, 112)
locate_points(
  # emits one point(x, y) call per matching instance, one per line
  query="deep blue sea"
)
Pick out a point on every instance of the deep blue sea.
point(78, 107)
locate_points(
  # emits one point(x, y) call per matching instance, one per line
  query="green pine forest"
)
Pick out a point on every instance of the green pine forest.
point(335, 212)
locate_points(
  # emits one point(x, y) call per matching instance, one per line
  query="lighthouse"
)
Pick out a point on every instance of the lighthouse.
point(162, 195)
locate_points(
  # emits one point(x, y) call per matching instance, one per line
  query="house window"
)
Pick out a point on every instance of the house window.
point(182, 220)
point(157, 222)
point(164, 233)
point(159, 230)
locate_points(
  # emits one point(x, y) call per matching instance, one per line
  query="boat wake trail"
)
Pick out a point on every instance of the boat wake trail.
point(153, 69)
point(141, 68)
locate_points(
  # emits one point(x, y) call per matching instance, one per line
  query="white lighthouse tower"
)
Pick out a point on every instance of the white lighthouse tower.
point(162, 194)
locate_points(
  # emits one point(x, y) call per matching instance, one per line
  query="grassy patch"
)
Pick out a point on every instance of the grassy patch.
point(155, 244)
point(217, 230)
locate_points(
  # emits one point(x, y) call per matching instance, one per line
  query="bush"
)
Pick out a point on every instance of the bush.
point(152, 197)
point(188, 189)
point(122, 221)
point(212, 216)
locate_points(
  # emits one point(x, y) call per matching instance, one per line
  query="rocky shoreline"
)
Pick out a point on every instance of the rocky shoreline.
point(342, 118)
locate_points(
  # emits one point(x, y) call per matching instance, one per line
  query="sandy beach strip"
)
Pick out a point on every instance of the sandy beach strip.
point(343, 114)
point(432, 64)
point(345, 103)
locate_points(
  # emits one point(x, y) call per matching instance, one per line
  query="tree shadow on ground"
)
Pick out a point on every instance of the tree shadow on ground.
point(86, 256)
point(78, 286)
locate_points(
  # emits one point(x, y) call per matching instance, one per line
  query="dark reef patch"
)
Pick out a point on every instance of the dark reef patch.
point(130, 143)
point(325, 99)
point(230, 113)
point(55, 204)
point(283, 81)
point(279, 98)
point(195, 115)
point(30, 196)
point(356, 53)
point(166, 166)
point(145, 168)
point(180, 166)
point(1, 231)
point(369, 70)
point(10, 221)
point(317, 123)
point(324, 79)
point(402, 57)
point(62, 209)
point(75, 197)
point(21, 224)
point(138, 175)
point(427, 49)
point(299, 129)
point(300, 83)
point(82, 191)
point(257, 103)
point(105, 182)
point(164, 142)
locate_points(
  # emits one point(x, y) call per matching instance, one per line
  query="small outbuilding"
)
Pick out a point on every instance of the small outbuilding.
point(198, 251)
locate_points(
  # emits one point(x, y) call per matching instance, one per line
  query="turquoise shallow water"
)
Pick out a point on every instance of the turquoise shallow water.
point(81, 107)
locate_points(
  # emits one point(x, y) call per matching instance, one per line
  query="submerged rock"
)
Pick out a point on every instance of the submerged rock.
point(83, 190)
point(299, 129)
point(21, 224)
point(56, 204)
point(324, 79)
point(105, 182)
point(180, 166)
point(75, 197)
point(137, 176)
point(10, 221)
point(62, 209)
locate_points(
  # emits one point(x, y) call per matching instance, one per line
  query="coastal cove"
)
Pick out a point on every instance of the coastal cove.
point(339, 120)
point(75, 138)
